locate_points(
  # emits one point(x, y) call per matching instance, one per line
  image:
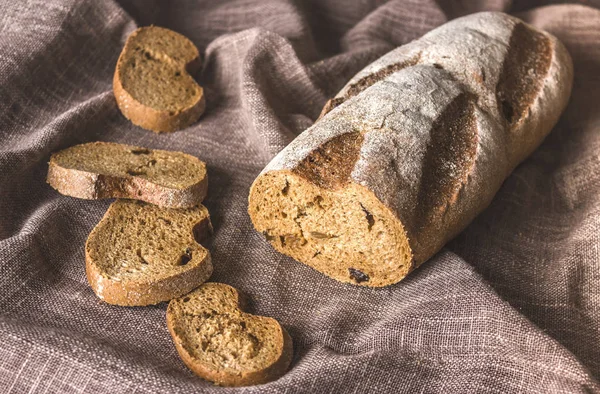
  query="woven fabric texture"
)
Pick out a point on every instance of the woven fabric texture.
point(511, 305)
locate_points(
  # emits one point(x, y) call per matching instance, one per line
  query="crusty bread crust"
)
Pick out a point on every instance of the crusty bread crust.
point(153, 291)
point(441, 122)
point(223, 377)
point(150, 118)
point(92, 186)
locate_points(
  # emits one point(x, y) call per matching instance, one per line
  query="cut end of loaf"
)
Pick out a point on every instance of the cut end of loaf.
point(345, 233)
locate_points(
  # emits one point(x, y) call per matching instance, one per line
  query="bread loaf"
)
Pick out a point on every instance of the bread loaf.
point(152, 82)
point(413, 148)
point(220, 342)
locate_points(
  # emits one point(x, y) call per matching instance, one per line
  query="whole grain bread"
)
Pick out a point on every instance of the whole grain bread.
point(106, 170)
point(140, 254)
point(413, 148)
point(152, 82)
point(221, 343)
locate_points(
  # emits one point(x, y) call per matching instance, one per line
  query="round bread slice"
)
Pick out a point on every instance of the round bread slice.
point(152, 82)
point(108, 170)
point(221, 343)
point(140, 254)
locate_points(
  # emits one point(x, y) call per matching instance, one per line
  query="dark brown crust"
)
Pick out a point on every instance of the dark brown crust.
point(150, 118)
point(128, 293)
point(454, 139)
point(91, 186)
point(523, 72)
point(270, 373)
point(331, 164)
point(367, 81)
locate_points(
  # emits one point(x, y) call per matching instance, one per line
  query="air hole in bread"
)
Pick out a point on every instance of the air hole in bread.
point(165, 220)
point(186, 257)
point(136, 172)
point(142, 260)
point(140, 151)
point(286, 188)
point(358, 275)
point(268, 236)
point(370, 218)
point(319, 235)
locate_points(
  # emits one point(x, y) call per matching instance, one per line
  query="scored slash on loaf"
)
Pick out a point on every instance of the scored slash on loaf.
point(413, 148)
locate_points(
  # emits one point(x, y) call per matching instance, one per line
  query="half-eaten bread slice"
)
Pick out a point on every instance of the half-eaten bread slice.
point(108, 170)
point(152, 82)
point(140, 254)
point(221, 343)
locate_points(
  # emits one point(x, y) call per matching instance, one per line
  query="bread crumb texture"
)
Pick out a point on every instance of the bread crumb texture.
point(152, 83)
point(104, 170)
point(141, 254)
point(345, 232)
point(223, 344)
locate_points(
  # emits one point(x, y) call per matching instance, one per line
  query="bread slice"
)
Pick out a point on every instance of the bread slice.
point(140, 254)
point(221, 343)
point(152, 82)
point(106, 170)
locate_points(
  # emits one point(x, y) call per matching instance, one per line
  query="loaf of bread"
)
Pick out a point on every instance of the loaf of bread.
point(413, 148)
point(109, 170)
point(152, 82)
point(220, 342)
point(140, 254)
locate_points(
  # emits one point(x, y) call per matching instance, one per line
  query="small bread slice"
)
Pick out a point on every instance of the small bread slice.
point(221, 343)
point(108, 170)
point(152, 82)
point(140, 254)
